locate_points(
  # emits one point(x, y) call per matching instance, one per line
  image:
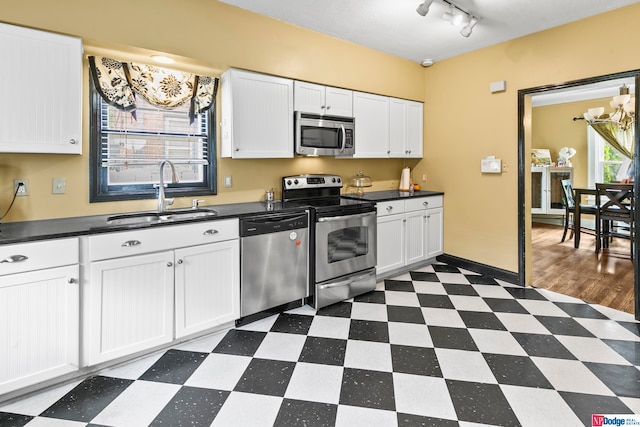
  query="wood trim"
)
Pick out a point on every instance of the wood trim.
point(484, 269)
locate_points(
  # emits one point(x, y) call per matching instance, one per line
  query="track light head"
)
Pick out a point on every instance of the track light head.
point(468, 29)
point(423, 8)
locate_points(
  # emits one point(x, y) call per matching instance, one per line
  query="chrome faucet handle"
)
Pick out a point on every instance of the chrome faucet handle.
point(195, 203)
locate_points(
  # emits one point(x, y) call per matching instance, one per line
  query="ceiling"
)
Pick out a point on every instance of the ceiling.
point(394, 26)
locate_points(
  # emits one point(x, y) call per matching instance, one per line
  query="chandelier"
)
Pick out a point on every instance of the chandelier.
point(623, 114)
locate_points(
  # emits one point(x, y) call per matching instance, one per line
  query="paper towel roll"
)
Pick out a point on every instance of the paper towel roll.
point(404, 180)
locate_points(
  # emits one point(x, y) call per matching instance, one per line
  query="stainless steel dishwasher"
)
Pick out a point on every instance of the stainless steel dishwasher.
point(274, 260)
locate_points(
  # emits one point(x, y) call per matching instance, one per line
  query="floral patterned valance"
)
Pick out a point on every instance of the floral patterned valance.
point(118, 82)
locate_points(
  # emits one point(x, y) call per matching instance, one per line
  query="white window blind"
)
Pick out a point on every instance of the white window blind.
point(153, 135)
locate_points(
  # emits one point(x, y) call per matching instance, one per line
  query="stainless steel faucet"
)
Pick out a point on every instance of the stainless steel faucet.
point(163, 202)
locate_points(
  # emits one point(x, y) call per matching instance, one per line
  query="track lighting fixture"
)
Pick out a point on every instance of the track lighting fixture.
point(467, 29)
point(455, 15)
point(423, 8)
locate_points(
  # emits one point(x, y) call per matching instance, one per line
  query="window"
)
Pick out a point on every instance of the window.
point(126, 151)
point(606, 164)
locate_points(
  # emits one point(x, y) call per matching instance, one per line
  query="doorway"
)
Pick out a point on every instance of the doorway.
point(525, 97)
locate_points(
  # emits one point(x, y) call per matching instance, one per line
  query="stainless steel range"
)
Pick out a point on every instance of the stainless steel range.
point(344, 237)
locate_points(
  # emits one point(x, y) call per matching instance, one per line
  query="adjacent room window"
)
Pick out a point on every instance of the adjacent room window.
point(606, 164)
point(128, 142)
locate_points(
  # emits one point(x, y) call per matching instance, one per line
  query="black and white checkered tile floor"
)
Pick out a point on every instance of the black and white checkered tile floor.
point(439, 346)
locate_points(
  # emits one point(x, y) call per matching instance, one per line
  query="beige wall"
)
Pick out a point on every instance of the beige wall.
point(463, 121)
point(554, 128)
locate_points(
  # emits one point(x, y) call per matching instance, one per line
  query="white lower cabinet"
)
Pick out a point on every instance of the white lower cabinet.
point(130, 307)
point(409, 231)
point(39, 312)
point(207, 287)
point(187, 283)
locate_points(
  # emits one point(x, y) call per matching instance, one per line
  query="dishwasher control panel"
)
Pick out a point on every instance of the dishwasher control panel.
point(274, 223)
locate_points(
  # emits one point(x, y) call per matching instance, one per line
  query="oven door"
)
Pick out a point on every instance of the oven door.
point(345, 244)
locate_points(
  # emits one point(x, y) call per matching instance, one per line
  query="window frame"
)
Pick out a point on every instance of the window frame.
point(595, 147)
point(99, 190)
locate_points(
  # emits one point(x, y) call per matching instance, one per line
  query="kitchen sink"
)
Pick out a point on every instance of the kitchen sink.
point(141, 218)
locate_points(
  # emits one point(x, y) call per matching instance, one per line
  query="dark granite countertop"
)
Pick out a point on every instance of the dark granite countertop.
point(384, 196)
point(27, 231)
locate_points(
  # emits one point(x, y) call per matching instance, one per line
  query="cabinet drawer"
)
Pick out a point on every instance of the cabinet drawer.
point(38, 255)
point(420, 203)
point(114, 245)
point(390, 207)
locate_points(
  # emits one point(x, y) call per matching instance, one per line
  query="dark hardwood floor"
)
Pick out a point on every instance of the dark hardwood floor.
point(605, 278)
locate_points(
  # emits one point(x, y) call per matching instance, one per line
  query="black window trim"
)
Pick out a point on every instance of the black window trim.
point(98, 191)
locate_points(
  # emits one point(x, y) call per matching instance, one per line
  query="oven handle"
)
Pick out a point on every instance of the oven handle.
point(343, 217)
point(342, 282)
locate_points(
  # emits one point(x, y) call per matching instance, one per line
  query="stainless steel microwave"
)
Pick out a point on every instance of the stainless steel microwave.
point(321, 135)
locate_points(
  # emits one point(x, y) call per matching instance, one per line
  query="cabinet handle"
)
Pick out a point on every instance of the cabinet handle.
point(237, 148)
point(328, 107)
point(71, 280)
point(210, 232)
point(15, 258)
point(73, 141)
point(169, 264)
point(131, 243)
point(389, 208)
point(180, 261)
point(425, 203)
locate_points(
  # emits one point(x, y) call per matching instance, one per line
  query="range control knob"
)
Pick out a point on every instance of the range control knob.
point(295, 181)
point(288, 182)
point(338, 180)
point(333, 179)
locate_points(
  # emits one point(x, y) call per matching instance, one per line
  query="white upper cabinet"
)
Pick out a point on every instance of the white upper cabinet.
point(387, 127)
point(319, 99)
point(372, 125)
point(257, 115)
point(41, 102)
point(405, 128)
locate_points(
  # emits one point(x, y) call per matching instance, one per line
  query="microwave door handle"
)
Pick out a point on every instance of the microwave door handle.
point(344, 138)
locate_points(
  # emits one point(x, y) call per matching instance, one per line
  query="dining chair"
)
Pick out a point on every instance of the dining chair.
point(569, 206)
point(614, 216)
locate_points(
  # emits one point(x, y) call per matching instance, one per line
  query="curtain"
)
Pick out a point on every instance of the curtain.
point(118, 82)
point(621, 137)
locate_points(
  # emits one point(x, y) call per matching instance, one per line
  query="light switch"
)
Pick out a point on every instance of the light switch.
point(59, 186)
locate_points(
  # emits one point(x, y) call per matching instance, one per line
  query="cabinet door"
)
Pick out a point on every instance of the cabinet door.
point(207, 286)
point(434, 228)
point(257, 115)
point(397, 127)
point(339, 102)
point(415, 232)
point(309, 97)
point(39, 326)
point(372, 125)
point(555, 194)
point(414, 129)
point(538, 190)
point(405, 128)
point(390, 243)
point(41, 102)
point(128, 306)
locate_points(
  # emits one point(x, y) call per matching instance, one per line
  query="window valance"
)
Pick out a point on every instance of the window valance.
point(118, 82)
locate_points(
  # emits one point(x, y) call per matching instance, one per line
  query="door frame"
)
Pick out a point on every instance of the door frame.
point(522, 178)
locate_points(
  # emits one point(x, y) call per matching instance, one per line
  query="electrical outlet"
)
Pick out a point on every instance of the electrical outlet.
point(227, 181)
point(505, 167)
point(21, 187)
point(424, 177)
